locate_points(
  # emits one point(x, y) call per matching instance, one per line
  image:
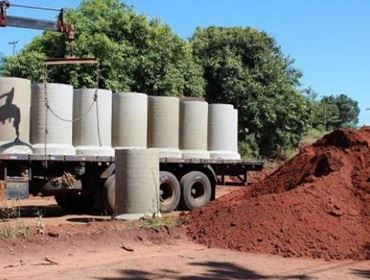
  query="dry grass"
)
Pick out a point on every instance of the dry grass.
point(159, 222)
point(9, 210)
point(19, 229)
point(148, 222)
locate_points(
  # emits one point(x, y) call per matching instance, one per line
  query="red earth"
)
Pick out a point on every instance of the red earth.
point(315, 205)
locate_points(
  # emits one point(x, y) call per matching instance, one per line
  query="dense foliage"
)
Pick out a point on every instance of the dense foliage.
point(335, 112)
point(246, 67)
point(241, 66)
point(136, 54)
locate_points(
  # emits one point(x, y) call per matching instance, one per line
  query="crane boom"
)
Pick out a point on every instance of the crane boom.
point(31, 23)
point(22, 22)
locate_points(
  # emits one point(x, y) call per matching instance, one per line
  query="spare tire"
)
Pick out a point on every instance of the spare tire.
point(196, 188)
point(170, 191)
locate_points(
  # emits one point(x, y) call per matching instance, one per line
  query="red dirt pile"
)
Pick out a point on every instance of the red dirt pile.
point(315, 205)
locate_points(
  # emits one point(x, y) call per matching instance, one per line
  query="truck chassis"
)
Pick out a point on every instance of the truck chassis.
point(81, 182)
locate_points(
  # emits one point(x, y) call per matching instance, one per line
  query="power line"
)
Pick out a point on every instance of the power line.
point(14, 43)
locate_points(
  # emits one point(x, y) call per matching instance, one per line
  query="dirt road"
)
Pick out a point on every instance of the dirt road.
point(176, 259)
point(92, 247)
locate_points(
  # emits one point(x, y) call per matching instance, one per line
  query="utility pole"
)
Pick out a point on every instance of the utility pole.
point(14, 43)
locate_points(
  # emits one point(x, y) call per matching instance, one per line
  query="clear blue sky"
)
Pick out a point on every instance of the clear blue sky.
point(329, 40)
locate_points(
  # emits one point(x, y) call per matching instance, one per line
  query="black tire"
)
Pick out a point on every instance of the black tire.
point(170, 192)
point(75, 203)
point(196, 189)
point(62, 202)
point(109, 194)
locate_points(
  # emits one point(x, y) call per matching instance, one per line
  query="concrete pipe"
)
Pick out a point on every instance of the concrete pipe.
point(223, 132)
point(137, 183)
point(15, 102)
point(130, 120)
point(58, 140)
point(163, 125)
point(193, 129)
point(86, 133)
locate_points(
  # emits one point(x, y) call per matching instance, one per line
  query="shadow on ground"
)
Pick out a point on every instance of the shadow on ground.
point(46, 211)
point(211, 270)
point(363, 273)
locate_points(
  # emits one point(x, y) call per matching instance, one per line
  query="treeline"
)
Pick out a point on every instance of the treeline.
point(241, 66)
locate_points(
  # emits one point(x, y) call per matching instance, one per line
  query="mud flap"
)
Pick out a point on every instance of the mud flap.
point(16, 188)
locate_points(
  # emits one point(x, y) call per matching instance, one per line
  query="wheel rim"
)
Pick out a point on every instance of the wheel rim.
point(197, 190)
point(166, 193)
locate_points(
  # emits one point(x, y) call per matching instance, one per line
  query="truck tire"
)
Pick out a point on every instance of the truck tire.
point(170, 192)
point(75, 202)
point(109, 194)
point(196, 189)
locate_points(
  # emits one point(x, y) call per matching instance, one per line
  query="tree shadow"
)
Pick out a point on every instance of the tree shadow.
point(212, 270)
point(16, 142)
point(87, 220)
point(10, 112)
point(363, 273)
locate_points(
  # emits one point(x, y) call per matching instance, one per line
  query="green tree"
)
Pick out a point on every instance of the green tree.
point(338, 111)
point(136, 54)
point(246, 67)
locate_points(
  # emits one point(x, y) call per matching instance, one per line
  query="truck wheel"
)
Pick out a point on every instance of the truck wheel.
point(196, 188)
point(170, 191)
point(109, 194)
point(74, 202)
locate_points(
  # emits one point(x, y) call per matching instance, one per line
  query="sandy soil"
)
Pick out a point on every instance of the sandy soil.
point(170, 259)
point(93, 247)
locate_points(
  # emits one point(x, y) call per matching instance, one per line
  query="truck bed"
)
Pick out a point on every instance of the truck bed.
point(105, 159)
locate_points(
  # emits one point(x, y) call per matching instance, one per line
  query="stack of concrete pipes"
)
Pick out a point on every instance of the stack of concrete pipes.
point(75, 124)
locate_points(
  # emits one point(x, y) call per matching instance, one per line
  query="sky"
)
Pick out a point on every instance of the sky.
point(329, 40)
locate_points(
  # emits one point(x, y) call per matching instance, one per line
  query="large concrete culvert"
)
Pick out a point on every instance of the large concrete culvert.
point(223, 131)
point(193, 129)
point(58, 140)
point(163, 125)
point(137, 183)
point(88, 138)
point(130, 120)
point(15, 102)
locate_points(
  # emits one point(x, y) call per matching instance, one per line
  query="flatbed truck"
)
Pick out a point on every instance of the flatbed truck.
point(79, 183)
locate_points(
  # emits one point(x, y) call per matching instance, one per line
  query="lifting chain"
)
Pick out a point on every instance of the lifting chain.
point(82, 116)
point(97, 103)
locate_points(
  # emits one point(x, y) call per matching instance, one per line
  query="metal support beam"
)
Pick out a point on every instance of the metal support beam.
point(71, 60)
point(31, 23)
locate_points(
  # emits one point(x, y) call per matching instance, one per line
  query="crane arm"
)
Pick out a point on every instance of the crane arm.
point(22, 22)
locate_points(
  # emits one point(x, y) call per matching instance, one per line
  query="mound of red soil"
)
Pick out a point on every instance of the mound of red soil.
point(315, 205)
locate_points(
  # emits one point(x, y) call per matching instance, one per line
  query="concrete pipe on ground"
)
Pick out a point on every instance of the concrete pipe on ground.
point(88, 138)
point(137, 183)
point(130, 120)
point(163, 125)
point(15, 102)
point(58, 139)
point(223, 131)
point(193, 129)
